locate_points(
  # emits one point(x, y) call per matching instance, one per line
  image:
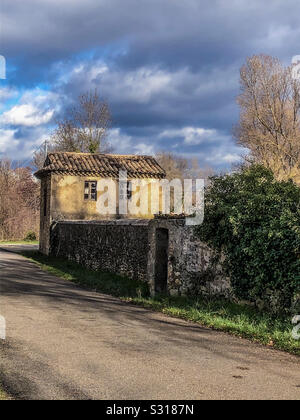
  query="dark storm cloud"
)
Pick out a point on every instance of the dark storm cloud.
point(174, 33)
point(163, 65)
point(149, 96)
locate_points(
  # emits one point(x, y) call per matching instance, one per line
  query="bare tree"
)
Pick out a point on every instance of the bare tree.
point(39, 156)
point(19, 202)
point(196, 172)
point(181, 168)
point(84, 128)
point(269, 123)
point(175, 166)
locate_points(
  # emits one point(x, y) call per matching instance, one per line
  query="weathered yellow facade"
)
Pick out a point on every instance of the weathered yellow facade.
point(84, 186)
point(62, 198)
point(68, 203)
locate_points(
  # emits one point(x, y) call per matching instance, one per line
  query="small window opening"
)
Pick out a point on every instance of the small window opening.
point(90, 190)
point(129, 190)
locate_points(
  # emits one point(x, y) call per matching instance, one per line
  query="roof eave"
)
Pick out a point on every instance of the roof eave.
point(44, 172)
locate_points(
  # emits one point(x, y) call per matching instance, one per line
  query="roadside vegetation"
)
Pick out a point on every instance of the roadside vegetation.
point(19, 202)
point(254, 221)
point(3, 395)
point(103, 282)
point(24, 242)
point(240, 320)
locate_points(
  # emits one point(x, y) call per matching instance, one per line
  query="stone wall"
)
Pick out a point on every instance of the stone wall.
point(45, 216)
point(119, 246)
point(193, 268)
point(128, 247)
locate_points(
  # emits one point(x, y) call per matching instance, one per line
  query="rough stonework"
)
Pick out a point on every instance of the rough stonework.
point(129, 247)
point(119, 246)
point(193, 268)
point(45, 216)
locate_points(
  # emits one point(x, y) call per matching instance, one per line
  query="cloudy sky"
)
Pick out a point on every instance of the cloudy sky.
point(168, 68)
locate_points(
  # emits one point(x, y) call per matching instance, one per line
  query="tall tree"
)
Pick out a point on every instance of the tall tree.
point(85, 126)
point(269, 123)
point(83, 129)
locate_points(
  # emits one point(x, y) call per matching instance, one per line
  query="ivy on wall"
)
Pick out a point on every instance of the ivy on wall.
point(255, 221)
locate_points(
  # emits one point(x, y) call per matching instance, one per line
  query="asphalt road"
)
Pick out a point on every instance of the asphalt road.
point(64, 342)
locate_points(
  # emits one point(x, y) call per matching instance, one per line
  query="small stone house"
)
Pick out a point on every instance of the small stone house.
point(69, 186)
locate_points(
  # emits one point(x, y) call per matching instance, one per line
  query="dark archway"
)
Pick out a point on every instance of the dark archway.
point(161, 261)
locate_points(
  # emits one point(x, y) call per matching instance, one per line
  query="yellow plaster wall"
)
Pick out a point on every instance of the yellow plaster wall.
point(67, 199)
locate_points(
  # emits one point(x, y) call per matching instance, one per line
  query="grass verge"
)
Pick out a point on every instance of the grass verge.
point(4, 396)
point(104, 282)
point(19, 243)
point(240, 320)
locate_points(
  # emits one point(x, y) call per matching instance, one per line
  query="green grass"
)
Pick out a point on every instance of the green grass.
point(240, 320)
point(104, 282)
point(3, 395)
point(19, 242)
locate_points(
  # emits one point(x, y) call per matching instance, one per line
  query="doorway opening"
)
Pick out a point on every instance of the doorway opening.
point(161, 261)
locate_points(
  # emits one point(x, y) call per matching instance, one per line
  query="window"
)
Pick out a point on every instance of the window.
point(90, 190)
point(129, 190)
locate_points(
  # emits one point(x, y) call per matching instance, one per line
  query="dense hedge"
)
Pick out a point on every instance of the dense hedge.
point(255, 221)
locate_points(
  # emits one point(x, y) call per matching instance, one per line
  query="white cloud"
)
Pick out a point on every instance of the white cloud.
point(8, 143)
point(125, 144)
point(191, 135)
point(7, 93)
point(27, 115)
point(21, 146)
point(118, 140)
point(231, 158)
point(228, 154)
point(34, 108)
point(144, 149)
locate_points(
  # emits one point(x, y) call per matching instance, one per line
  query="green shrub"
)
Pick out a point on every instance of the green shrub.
point(254, 221)
point(30, 236)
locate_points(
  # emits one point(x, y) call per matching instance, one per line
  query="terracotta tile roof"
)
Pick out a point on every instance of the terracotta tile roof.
point(98, 164)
